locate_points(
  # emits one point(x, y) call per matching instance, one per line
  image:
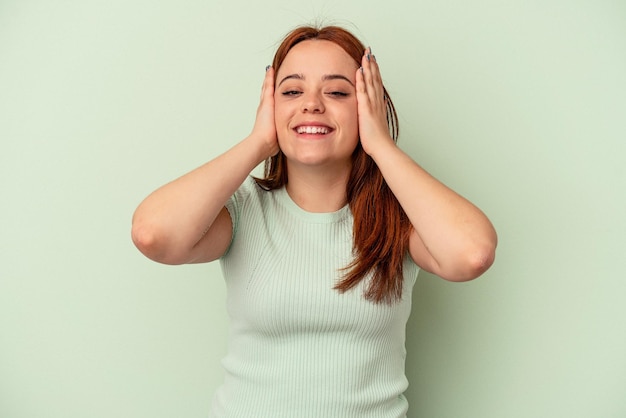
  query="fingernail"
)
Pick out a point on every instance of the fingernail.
point(368, 57)
point(361, 70)
point(267, 68)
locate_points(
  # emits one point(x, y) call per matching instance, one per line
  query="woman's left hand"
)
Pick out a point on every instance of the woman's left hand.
point(372, 106)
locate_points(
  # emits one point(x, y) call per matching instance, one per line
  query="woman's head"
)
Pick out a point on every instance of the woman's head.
point(276, 167)
point(341, 37)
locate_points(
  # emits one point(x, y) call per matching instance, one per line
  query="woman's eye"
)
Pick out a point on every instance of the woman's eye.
point(330, 93)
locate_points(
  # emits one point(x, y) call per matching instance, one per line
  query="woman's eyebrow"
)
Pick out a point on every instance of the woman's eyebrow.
point(337, 77)
point(292, 76)
point(324, 78)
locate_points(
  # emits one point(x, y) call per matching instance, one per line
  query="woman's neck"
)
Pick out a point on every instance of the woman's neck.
point(318, 190)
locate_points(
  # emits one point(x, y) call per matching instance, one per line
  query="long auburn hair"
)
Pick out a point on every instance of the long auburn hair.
point(381, 227)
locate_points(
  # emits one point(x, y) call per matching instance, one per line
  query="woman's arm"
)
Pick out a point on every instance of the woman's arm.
point(185, 221)
point(451, 237)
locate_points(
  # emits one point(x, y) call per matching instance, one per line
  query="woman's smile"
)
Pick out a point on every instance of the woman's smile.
point(313, 130)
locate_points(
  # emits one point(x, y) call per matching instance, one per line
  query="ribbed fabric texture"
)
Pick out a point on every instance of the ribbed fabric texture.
point(299, 348)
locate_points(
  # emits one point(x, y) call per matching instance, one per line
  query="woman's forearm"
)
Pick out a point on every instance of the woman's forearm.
point(458, 236)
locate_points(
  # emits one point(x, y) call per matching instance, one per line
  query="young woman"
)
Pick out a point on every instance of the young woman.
point(321, 254)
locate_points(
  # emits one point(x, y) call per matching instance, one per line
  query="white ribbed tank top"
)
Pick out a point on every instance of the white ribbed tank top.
point(299, 348)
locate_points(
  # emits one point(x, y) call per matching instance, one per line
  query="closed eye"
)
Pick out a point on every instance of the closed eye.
point(291, 93)
point(338, 94)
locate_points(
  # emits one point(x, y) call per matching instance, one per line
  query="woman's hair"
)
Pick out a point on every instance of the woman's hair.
point(381, 227)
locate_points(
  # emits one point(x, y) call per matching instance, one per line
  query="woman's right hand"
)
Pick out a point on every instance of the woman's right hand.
point(264, 125)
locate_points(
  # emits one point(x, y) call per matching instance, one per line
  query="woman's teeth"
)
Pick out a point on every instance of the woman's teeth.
point(312, 130)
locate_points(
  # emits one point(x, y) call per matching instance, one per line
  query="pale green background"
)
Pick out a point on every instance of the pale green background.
point(518, 105)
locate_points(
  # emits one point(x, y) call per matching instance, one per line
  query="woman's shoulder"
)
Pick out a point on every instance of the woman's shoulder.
point(249, 189)
point(249, 194)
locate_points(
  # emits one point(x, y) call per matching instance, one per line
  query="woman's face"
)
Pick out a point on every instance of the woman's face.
point(316, 106)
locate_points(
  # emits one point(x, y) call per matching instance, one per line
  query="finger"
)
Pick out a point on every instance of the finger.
point(377, 80)
point(373, 81)
point(376, 77)
point(364, 98)
point(366, 86)
point(360, 80)
point(365, 64)
point(268, 82)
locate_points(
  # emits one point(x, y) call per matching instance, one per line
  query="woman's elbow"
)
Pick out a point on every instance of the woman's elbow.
point(481, 260)
point(474, 263)
point(145, 240)
point(151, 243)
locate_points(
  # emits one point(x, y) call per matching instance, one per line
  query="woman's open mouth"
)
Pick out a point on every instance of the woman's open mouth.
point(313, 129)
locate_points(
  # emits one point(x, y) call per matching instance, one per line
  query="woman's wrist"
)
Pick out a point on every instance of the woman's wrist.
point(383, 150)
point(260, 147)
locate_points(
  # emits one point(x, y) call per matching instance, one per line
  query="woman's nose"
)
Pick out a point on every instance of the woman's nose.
point(312, 103)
